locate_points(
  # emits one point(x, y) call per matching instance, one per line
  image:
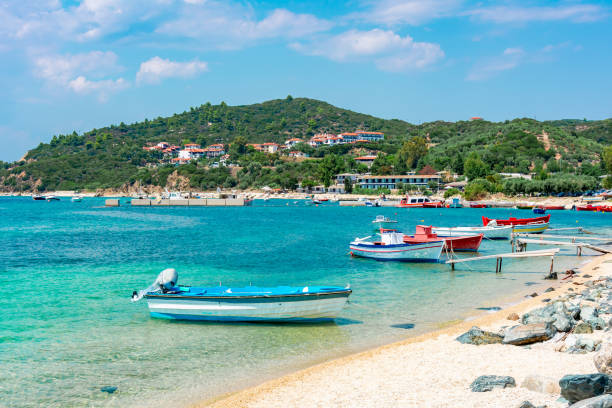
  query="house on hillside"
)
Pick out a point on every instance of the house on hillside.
point(297, 154)
point(214, 150)
point(370, 136)
point(292, 142)
point(391, 182)
point(270, 147)
point(367, 160)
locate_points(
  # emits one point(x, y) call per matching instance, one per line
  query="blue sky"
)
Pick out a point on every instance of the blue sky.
point(70, 65)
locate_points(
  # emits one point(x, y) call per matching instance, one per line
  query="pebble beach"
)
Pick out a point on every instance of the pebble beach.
point(436, 370)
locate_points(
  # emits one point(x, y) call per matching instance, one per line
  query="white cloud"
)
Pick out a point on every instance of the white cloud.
point(389, 51)
point(578, 13)
point(487, 68)
point(226, 25)
point(156, 69)
point(412, 12)
point(69, 71)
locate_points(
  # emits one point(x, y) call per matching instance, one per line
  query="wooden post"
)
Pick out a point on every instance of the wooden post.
point(452, 266)
point(500, 264)
point(552, 262)
point(496, 265)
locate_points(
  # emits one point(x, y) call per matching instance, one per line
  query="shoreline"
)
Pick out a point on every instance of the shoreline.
point(251, 396)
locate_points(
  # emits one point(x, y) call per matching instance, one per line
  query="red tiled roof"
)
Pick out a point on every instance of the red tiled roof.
point(365, 158)
point(372, 133)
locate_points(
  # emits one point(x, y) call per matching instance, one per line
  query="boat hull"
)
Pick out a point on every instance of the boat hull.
point(516, 221)
point(503, 232)
point(428, 252)
point(298, 308)
point(536, 228)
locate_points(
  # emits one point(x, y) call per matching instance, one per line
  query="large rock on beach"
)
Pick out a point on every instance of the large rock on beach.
point(603, 359)
point(602, 401)
point(529, 333)
point(477, 336)
point(556, 313)
point(583, 328)
point(583, 386)
point(486, 383)
point(539, 383)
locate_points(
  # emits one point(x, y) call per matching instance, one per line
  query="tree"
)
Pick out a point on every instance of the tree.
point(607, 158)
point(410, 153)
point(348, 185)
point(474, 167)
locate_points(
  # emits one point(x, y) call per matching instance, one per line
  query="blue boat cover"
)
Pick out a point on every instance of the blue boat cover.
point(251, 290)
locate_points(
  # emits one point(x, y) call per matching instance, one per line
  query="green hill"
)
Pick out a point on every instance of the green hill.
point(113, 157)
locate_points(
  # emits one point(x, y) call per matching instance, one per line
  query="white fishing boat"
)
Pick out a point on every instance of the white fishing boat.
point(392, 247)
point(51, 198)
point(77, 198)
point(167, 300)
point(490, 232)
point(383, 222)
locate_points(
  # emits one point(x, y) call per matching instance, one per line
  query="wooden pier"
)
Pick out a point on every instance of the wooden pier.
point(500, 257)
point(521, 245)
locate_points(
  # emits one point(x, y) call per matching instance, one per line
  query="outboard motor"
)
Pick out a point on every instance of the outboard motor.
point(166, 280)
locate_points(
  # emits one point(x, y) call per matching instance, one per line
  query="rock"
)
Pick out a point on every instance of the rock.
point(602, 401)
point(477, 336)
point(534, 294)
point(582, 345)
point(108, 389)
point(488, 382)
point(526, 404)
point(551, 276)
point(562, 322)
point(603, 359)
point(546, 300)
point(586, 275)
point(549, 290)
point(582, 386)
point(514, 316)
point(589, 315)
point(541, 384)
point(555, 313)
point(528, 333)
point(583, 328)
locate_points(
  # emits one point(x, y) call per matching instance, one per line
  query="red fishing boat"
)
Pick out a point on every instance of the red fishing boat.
point(478, 205)
point(588, 207)
point(433, 204)
point(554, 207)
point(516, 221)
point(414, 202)
point(605, 208)
point(456, 243)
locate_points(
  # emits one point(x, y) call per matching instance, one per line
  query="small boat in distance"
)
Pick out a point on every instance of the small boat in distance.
point(554, 207)
point(38, 198)
point(456, 203)
point(167, 300)
point(478, 205)
point(539, 210)
point(490, 232)
point(524, 206)
point(51, 198)
point(464, 243)
point(433, 204)
point(513, 221)
point(392, 247)
point(381, 221)
point(77, 198)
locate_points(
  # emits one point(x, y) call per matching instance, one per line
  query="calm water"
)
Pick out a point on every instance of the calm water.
point(68, 328)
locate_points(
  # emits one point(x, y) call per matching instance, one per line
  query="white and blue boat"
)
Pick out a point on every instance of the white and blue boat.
point(168, 300)
point(392, 247)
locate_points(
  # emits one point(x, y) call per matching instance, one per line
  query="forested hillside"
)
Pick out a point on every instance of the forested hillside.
point(113, 157)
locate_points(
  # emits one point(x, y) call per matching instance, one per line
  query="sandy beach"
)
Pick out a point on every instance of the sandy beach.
point(435, 370)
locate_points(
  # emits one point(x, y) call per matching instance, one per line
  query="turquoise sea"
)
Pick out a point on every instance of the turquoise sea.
point(68, 328)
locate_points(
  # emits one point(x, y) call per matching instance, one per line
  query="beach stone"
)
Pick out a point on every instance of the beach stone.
point(541, 384)
point(602, 401)
point(549, 290)
point(486, 383)
point(529, 333)
point(603, 359)
point(551, 276)
point(583, 328)
point(526, 404)
point(555, 313)
point(534, 294)
point(562, 322)
point(108, 389)
point(582, 386)
point(512, 316)
point(477, 336)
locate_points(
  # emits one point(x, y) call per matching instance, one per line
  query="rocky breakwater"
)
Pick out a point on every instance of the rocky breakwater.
point(577, 322)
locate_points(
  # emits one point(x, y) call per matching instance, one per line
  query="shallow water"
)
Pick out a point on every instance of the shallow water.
point(68, 327)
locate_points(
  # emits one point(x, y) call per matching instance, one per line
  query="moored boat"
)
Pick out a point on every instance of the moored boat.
point(38, 198)
point(554, 207)
point(455, 203)
point(539, 210)
point(524, 206)
point(588, 207)
point(513, 221)
point(167, 300)
point(531, 228)
point(478, 205)
point(433, 204)
point(381, 222)
point(51, 198)
point(424, 234)
point(413, 202)
point(392, 247)
point(490, 232)
point(77, 198)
